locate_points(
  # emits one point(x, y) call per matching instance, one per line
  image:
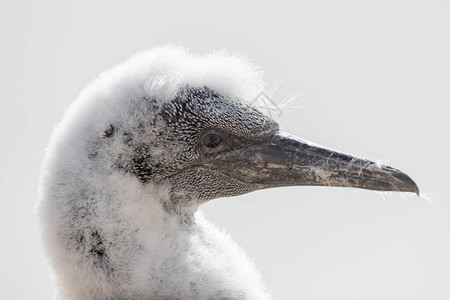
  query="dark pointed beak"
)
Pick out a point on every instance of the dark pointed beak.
point(278, 159)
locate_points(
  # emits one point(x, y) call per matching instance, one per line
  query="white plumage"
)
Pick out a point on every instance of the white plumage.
point(155, 255)
point(147, 143)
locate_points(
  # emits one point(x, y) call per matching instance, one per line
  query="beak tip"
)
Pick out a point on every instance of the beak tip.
point(409, 184)
point(416, 190)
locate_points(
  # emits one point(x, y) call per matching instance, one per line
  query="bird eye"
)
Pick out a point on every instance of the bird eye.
point(212, 140)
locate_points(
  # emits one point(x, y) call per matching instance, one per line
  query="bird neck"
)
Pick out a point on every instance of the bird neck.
point(115, 233)
point(182, 208)
point(149, 205)
point(112, 237)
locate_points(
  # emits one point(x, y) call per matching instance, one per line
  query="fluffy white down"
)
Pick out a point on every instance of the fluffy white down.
point(157, 256)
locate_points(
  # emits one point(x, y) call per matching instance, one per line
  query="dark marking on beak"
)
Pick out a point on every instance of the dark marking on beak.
point(278, 159)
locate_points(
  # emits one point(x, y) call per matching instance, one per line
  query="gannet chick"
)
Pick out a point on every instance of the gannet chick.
point(142, 148)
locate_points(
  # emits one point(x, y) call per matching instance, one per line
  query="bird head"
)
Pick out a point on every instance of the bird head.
point(183, 121)
point(148, 142)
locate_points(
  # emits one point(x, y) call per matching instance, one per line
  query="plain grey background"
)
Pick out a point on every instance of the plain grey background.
point(373, 79)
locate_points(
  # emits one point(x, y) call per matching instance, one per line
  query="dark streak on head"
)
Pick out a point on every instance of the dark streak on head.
point(109, 132)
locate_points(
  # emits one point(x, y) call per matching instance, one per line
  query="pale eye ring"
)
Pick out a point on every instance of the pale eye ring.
point(213, 141)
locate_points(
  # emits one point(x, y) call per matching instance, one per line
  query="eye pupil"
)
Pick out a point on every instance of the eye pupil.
point(212, 140)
